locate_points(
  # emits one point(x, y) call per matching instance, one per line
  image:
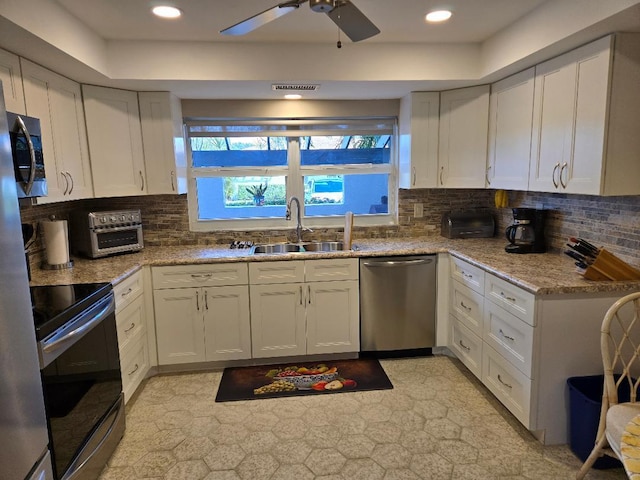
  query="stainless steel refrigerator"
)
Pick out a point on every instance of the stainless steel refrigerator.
point(23, 427)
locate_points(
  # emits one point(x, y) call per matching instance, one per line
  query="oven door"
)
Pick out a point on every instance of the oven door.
point(83, 391)
point(111, 240)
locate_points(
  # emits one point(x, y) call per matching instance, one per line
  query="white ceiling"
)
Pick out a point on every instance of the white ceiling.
point(398, 20)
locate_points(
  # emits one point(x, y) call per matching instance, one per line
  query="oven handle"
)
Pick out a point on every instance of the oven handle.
point(80, 324)
point(136, 226)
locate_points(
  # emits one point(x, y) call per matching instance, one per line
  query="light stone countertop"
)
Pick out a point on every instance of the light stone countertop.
point(540, 274)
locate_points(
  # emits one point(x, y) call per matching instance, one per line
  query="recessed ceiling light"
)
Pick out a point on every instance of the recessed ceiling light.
point(166, 11)
point(293, 96)
point(438, 16)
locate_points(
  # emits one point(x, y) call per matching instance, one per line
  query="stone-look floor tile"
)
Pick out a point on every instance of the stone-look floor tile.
point(356, 446)
point(544, 470)
point(500, 462)
point(226, 475)
point(257, 442)
point(391, 455)
point(127, 454)
point(362, 469)
point(118, 473)
point(190, 469)
point(400, 474)
point(431, 466)
point(349, 424)
point(291, 452)
point(231, 414)
point(154, 464)
point(400, 401)
point(174, 419)
point(293, 472)
point(289, 429)
point(257, 466)
point(318, 417)
point(408, 421)
point(166, 440)
point(225, 457)
point(384, 432)
point(375, 413)
point(430, 409)
point(457, 451)
point(322, 437)
point(442, 428)
point(228, 434)
point(259, 422)
point(419, 391)
point(290, 408)
point(202, 426)
point(418, 442)
point(472, 472)
point(325, 461)
point(193, 448)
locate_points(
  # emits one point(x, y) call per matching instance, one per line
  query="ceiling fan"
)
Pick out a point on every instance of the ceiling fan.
point(343, 13)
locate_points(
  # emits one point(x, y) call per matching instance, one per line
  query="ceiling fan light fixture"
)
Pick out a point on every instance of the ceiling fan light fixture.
point(322, 6)
point(166, 11)
point(438, 16)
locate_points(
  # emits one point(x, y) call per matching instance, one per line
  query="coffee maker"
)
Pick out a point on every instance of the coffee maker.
point(526, 235)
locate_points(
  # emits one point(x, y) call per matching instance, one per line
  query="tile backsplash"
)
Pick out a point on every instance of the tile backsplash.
point(612, 222)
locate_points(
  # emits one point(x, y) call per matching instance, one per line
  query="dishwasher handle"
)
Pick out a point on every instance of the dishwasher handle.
point(398, 263)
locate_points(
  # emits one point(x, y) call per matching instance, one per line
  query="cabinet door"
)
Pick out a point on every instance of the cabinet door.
point(418, 128)
point(115, 141)
point(464, 120)
point(163, 142)
point(510, 124)
point(12, 82)
point(333, 317)
point(227, 323)
point(57, 102)
point(179, 325)
point(278, 320)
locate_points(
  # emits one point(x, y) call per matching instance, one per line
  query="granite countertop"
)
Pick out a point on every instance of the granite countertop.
point(540, 274)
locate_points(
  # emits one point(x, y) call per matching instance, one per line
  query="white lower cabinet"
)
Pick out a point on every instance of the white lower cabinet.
point(467, 346)
point(202, 323)
point(131, 324)
point(304, 307)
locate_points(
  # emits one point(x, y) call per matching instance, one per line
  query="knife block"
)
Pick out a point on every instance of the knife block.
point(607, 266)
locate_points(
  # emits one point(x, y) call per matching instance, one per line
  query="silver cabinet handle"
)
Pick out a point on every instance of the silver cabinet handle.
point(128, 292)
point(511, 299)
point(173, 176)
point(135, 369)
point(504, 383)
point(72, 183)
point(487, 175)
point(141, 180)
point(206, 301)
point(505, 335)
point(201, 276)
point(564, 166)
point(309, 292)
point(133, 325)
point(468, 309)
point(66, 183)
point(468, 349)
point(553, 175)
point(465, 274)
point(301, 303)
point(197, 301)
point(32, 155)
point(413, 174)
point(441, 172)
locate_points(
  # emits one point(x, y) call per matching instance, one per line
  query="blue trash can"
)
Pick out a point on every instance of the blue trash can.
point(585, 402)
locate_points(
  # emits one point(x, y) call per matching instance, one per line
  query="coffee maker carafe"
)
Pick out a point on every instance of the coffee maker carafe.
point(526, 235)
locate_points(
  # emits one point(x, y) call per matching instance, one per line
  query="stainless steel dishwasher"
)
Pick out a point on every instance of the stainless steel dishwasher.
point(397, 305)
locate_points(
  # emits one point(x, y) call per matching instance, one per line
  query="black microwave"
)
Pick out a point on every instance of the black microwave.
point(28, 160)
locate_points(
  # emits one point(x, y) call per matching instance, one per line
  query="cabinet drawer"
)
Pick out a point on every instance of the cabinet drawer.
point(467, 274)
point(210, 275)
point(507, 383)
point(276, 272)
point(135, 366)
point(326, 270)
point(511, 298)
point(130, 323)
point(127, 290)
point(467, 346)
point(466, 306)
point(509, 336)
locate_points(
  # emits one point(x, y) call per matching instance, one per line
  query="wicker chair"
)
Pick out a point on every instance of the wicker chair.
point(620, 347)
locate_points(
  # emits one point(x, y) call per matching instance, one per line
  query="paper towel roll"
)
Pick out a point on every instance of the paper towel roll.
point(56, 241)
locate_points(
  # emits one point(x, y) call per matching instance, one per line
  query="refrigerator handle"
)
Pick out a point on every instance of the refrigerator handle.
point(32, 154)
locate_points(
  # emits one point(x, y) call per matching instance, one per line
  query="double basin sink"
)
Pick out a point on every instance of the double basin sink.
point(298, 247)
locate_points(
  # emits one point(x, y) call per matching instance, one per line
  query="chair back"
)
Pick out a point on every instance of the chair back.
point(620, 346)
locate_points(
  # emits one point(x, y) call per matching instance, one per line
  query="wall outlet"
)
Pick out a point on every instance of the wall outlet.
point(418, 210)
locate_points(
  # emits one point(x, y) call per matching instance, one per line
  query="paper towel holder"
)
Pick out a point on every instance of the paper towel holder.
point(56, 266)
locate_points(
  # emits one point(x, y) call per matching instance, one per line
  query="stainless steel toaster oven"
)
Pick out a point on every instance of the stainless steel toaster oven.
point(99, 234)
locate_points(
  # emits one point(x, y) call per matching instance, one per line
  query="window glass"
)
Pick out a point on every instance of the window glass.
point(345, 150)
point(338, 194)
point(238, 151)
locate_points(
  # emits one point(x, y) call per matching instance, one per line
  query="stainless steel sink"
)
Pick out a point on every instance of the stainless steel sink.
point(298, 247)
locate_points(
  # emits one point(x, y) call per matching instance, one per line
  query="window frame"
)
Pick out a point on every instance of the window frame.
point(294, 172)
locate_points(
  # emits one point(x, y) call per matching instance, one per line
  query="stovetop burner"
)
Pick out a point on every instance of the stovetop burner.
point(54, 305)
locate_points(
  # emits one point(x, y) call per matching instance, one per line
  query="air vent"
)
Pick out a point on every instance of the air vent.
point(292, 87)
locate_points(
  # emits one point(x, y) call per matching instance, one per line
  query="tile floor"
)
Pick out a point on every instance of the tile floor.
point(437, 423)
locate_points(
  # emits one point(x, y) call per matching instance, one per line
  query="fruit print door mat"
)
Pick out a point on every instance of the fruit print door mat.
point(314, 378)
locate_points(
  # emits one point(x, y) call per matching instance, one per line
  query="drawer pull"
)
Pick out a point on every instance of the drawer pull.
point(465, 274)
point(511, 299)
point(133, 325)
point(503, 383)
point(468, 349)
point(135, 369)
point(468, 309)
point(506, 336)
point(124, 294)
point(201, 275)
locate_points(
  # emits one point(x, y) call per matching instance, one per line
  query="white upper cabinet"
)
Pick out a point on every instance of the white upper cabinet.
point(12, 82)
point(418, 129)
point(510, 124)
point(462, 154)
point(163, 142)
point(57, 102)
point(586, 120)
point(115, 141)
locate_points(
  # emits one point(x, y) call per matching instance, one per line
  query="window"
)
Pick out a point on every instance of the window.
point(243, 173)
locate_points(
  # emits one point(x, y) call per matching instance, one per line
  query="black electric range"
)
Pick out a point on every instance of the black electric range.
point(54, 305)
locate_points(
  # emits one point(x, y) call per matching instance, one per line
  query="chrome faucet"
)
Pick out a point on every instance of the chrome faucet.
point(288, 217)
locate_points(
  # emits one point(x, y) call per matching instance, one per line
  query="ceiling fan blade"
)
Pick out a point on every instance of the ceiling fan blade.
point(352, 21)
point(262, 18)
